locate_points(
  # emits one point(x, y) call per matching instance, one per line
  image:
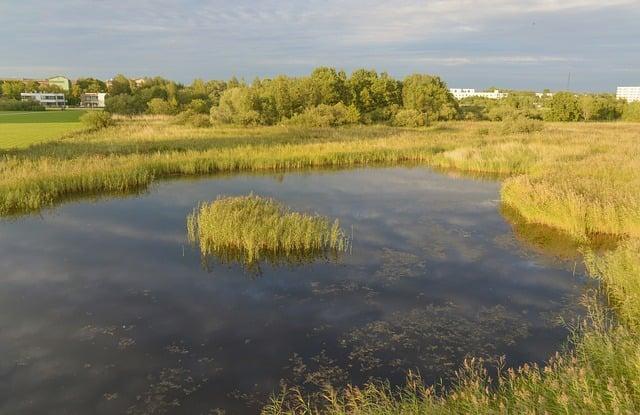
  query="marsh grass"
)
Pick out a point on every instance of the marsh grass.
point(252, 228)
point(580, 178)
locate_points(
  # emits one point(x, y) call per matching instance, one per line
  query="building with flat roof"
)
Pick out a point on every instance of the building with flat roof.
point(93, 99)
point(47, 99)
point(630, 93)
point(461, 93)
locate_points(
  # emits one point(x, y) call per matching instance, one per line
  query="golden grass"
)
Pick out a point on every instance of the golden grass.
point(252, 228)
point(580, 178)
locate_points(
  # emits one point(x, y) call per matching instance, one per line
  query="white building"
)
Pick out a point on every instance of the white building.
point(630, 93)
point(47, 99)
point(92, 99)
point(461, 93)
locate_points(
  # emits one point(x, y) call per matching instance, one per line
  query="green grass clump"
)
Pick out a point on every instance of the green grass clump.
point(252, 228)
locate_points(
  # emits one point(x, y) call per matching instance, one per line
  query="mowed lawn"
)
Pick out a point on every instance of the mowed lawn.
point(21, 129)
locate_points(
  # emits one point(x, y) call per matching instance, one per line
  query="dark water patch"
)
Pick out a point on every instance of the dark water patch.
point(105, 308)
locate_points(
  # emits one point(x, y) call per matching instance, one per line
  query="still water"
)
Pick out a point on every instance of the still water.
point(105, 308)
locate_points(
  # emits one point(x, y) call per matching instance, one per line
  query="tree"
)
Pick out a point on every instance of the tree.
point(283, 96)
point(215, 90)
point(328, 86)
point(125, 104)
point(238, 105)
point(13, 89)
point(430, 96)
point(120, 84)
point(604, 107)
point(564, 106)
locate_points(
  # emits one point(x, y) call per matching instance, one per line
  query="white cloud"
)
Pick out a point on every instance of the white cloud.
point(216, 38)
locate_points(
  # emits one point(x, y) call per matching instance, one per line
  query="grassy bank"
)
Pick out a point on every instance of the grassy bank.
point(599, 184)
point(21, 129)
point(252, 228)
point(582, 179)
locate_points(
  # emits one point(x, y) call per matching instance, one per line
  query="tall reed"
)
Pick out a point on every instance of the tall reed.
point(255, 228)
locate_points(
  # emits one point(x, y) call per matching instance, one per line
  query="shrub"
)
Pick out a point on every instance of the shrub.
point(631, 112)
point(192, 119)
point(564, 106)
point(327, 116)
point(239, 105)
point(430, 96)
point(199, 106)
point(521, 125)
point(159, 106)
point(125, 104)
point(97, 120)
point(603, 107)
point(7, 104)
point(409, 118)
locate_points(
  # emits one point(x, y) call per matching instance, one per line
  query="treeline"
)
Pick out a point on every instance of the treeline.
point(10, 90)
point(561, 106)
point(326, 97)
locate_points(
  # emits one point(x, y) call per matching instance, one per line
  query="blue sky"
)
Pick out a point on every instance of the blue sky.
point(508, 43)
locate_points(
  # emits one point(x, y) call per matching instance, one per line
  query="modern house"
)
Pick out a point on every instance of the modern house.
point(61, 82)
point(92, 99)
point(461, 93)
point(47, 99)
point(630, 93)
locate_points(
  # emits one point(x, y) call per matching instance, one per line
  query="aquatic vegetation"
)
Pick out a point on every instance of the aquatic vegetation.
point(435, 336)
point(600, 375)
point(582, 179)
point(397, 265)
point(253, 228)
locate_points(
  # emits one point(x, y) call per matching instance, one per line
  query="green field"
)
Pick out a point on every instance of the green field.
point(21, 129)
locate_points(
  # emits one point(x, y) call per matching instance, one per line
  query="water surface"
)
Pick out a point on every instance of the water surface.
point(105, 308)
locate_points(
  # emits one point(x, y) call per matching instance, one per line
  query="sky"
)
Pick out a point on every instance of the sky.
point(520, 44)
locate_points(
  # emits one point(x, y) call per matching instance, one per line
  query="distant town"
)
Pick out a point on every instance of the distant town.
point(55, 92)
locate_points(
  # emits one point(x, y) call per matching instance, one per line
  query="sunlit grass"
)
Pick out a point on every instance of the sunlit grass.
point(619, 270)
point(580, 178)
point(253, 228)
point(21, 129)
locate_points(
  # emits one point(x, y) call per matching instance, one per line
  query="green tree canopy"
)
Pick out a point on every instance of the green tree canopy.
point(120, 84)
point(430, 96)
point(564, 106)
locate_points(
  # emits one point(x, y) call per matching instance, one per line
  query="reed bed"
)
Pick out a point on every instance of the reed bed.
point(580, 178)
point(254, 228)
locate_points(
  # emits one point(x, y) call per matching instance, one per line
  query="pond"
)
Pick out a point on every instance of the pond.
point(106, 308)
